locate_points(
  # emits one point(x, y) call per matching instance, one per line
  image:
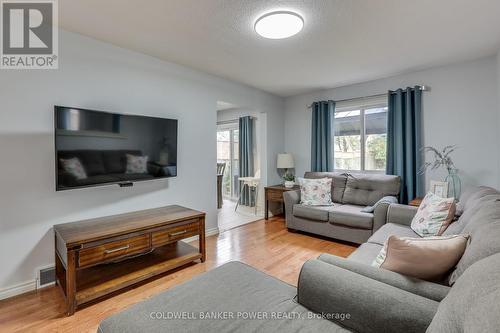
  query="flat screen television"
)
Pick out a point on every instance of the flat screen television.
point(95, 148)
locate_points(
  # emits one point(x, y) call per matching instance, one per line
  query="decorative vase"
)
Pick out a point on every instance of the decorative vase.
point(454, 183)
point(289, 183)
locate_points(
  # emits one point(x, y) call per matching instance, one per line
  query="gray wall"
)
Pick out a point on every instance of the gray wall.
point(100, 76)
point(461, 109)
point(498, 101)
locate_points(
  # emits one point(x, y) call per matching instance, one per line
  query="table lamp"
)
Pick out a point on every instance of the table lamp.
point(285, 161)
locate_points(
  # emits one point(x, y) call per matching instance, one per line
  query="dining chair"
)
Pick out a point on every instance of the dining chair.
point(253, 184)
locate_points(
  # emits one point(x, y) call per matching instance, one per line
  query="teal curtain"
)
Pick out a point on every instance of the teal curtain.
point(404, 141)
point(321, 136)
point(245, 145)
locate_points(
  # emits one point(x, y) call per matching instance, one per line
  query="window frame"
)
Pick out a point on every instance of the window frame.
point(233, 186)
point(361, 107)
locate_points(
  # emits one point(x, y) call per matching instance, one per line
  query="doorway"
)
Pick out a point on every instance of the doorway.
point(228, 155)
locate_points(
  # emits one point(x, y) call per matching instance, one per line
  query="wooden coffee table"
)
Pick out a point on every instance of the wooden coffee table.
point(100, 256)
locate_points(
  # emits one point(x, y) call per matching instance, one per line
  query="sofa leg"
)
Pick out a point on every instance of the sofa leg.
point(292, 230)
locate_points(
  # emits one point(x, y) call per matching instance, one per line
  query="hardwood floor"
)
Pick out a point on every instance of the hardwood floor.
point(267, 246)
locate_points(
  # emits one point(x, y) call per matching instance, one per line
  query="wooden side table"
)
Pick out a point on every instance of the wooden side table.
point(275, 193)
point(416, 202)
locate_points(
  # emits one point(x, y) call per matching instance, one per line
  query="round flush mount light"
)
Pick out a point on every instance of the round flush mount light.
point(279, 25)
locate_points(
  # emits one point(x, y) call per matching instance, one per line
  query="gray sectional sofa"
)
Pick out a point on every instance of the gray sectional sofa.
point(343, 295)
point(350, 194)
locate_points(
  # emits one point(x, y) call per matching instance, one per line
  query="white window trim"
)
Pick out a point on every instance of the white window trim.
point(361, 104)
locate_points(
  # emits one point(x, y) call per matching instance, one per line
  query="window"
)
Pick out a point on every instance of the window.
point(360, 136)
point(227, 152)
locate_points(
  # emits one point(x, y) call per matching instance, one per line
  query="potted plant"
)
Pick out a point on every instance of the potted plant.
point(442, 159)
point(289, 180)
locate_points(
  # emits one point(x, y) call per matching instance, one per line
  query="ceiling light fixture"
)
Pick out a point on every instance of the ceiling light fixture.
point(279, 25)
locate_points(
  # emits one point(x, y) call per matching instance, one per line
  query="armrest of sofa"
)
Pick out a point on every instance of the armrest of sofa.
point(431, 290)
point(401, 214)
point(372, 306)
point(380, 215)
point(290, 198)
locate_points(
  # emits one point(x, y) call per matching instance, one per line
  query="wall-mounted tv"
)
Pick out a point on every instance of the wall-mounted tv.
point(100, 148)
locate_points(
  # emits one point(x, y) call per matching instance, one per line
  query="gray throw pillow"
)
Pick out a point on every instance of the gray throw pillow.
point(388, 199)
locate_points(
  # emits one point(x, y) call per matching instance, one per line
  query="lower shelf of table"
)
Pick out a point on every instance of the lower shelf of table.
point(97, 281)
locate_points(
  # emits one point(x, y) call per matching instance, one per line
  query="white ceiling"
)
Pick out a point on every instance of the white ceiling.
point(343, 41)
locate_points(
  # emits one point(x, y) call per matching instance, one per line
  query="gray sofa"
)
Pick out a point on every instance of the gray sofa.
point(350, 194)
point(342, 295)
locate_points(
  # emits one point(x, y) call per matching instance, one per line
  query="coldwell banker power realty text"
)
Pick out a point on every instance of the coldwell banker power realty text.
point(29, 34)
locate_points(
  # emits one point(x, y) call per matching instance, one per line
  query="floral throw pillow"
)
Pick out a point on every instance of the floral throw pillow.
point(433, 216)
point(316, 192)
point(137, 164)
point(74, 167)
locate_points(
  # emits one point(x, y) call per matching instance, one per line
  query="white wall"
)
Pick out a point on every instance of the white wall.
point(460, 109)
point(100, 76)
point(498, 101)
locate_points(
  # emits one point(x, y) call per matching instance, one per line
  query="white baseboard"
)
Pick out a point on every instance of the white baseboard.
point(17, 289)
point(31, 285)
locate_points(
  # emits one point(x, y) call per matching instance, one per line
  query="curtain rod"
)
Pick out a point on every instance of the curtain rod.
point(232, 121)
point(422, 88)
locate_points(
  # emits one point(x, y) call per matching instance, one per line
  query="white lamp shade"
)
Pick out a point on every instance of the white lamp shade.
point(285, 161)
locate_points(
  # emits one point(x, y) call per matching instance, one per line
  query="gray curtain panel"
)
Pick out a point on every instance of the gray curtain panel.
point(245, 145)
point(321, 136)
point(404, 141)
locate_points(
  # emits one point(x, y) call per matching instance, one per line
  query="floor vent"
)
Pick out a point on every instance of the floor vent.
point(45, 277)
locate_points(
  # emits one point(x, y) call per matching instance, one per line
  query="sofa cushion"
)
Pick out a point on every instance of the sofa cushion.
point(91, 159)
point(433, 216)
point(315, 192)
point(367, 189)
point(484, 242)
point(115, 160)
point(351, 216)
point(338, 183)
point(136, 163)
point(232, 291)
point(316, 213)
point(472, 205)
point(426, 258)
point(388, 200)
point(389, 229)
point(366, 253)
point(472, 304)
point(486, 212)
point(473, 196)
point(483, 226)
point(74, 167)
point(464, 197)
